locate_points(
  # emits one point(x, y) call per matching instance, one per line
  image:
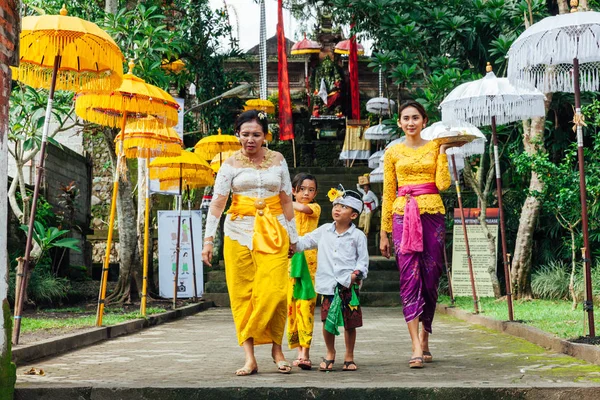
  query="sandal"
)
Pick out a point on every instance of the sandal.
point(347, 365)
point(416, 362)
point(246, 371)
point(284, 367)
point(305, 365)
point(296, 362)
point(427, 357)
point(326, 365)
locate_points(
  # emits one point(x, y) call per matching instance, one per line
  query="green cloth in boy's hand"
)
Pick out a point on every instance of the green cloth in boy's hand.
point(303, 287)
point(334, 315)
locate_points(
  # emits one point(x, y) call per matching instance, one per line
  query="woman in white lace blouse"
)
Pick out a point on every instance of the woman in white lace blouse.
point(259, 230)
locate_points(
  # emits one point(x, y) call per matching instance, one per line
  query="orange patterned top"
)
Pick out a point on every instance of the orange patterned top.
point(403, 165)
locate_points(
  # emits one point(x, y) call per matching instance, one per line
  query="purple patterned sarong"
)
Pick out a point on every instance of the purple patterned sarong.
point(420, 271)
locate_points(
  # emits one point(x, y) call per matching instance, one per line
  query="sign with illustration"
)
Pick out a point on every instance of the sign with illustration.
point(480, 253)
point(167, 252)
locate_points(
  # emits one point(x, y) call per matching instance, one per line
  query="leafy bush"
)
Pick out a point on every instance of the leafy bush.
point(46, 288)
point(551, 281)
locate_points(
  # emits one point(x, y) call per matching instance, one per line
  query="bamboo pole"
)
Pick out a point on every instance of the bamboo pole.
point(177, 249)
point(36, 192)
point(588, 305)
point(192, 245)
point(146, 241)
point(111, 225)
point(505, 263)
point(464, 226)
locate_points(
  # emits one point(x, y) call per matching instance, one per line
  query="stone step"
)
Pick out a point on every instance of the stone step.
point(220, 299)
point(215, 287)
point(215, 276)
point(378, 285)
point(380, 299)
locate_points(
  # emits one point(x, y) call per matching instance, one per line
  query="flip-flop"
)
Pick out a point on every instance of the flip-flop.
point(416, 362)
point(284, 367)
point(245, 371)
point(427, 357)
point(305, 365)
point(347, 365)
point(328, 365)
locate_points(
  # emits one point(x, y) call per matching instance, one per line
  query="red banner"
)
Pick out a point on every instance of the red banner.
point(353, 70)
point(286, 123)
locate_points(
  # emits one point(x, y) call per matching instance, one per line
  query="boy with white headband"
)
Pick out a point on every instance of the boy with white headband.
point(342, 263)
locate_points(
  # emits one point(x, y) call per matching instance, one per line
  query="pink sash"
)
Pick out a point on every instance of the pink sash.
point(412, 232)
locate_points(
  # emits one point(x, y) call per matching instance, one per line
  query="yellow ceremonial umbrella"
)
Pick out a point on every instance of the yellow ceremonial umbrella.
point(133, 100)
point(343, 48)
point(64, 53)
point(146, 138)
point(260, 105)
point(171, 172)
point(210, 146)
point(217, 160)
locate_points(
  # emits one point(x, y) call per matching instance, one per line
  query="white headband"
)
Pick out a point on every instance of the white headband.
point(349, 201)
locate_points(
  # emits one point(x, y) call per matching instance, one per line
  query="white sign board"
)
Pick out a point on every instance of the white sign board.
point(167, 246)
point(480, 253)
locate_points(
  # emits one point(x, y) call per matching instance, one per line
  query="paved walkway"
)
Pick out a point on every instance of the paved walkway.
point(201, 352)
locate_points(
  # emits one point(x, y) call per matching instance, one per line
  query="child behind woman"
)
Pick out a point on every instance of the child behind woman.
point(301, 313)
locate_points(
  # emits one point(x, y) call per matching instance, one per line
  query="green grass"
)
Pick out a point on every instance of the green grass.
point(111, 317)
point(553, 316)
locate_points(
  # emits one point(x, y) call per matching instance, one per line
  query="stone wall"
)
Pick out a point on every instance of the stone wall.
point(62, 167)
point(9, 35)
point(101, 189)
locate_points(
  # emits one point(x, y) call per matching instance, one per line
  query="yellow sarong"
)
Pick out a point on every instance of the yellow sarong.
point(257, 279)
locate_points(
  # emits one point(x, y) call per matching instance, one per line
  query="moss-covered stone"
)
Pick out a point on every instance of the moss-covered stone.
point(8, 370)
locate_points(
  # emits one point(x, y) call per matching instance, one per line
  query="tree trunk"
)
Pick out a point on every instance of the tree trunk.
point(563, 6)
point(533, 142)
point(141, 208)
point(111, 6)
point(130, 269)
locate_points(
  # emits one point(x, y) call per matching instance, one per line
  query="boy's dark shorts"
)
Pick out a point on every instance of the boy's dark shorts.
point(352, 318)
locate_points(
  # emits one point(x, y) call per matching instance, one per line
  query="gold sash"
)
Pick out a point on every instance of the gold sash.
point(268, 233)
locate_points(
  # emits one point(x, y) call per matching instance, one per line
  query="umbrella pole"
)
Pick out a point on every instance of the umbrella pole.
point(588, 304)
point(36, 193)
point(111, 224)
point(192, 244)
point(502, 225)
point(146, 241)
point(294, 151)
point(464, 226)
point(177, 249)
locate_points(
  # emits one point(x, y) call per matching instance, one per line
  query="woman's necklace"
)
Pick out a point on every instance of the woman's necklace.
point(255, 160)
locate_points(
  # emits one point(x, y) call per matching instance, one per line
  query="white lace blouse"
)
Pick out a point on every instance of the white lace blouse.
point(248, 180)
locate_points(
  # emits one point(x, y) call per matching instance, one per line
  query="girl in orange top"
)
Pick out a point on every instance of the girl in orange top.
point(301, 313)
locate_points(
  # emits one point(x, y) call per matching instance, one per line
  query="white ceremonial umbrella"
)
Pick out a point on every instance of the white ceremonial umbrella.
point(562, 53)
point(378, 132)
point(490, 101)
point(449, 132)
point(375, 159)
point(381, 106)
point(376, 175)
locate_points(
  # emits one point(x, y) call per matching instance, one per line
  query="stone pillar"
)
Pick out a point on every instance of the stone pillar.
point(9, 39)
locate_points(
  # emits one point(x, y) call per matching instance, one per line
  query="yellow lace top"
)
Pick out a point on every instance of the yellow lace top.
point(403, 165)
point(308, 222)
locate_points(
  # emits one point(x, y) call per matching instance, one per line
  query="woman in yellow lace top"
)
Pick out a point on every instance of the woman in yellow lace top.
point(414, 173)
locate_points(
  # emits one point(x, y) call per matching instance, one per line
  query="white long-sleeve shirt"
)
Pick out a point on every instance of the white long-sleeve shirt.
point(369, 199)
point(339, 255)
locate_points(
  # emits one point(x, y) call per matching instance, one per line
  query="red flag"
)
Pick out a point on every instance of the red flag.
point(353, 70)
point(286, 123)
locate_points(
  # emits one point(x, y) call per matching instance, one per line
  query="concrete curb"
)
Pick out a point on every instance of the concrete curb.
point(62, 344)
point(586, 352)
